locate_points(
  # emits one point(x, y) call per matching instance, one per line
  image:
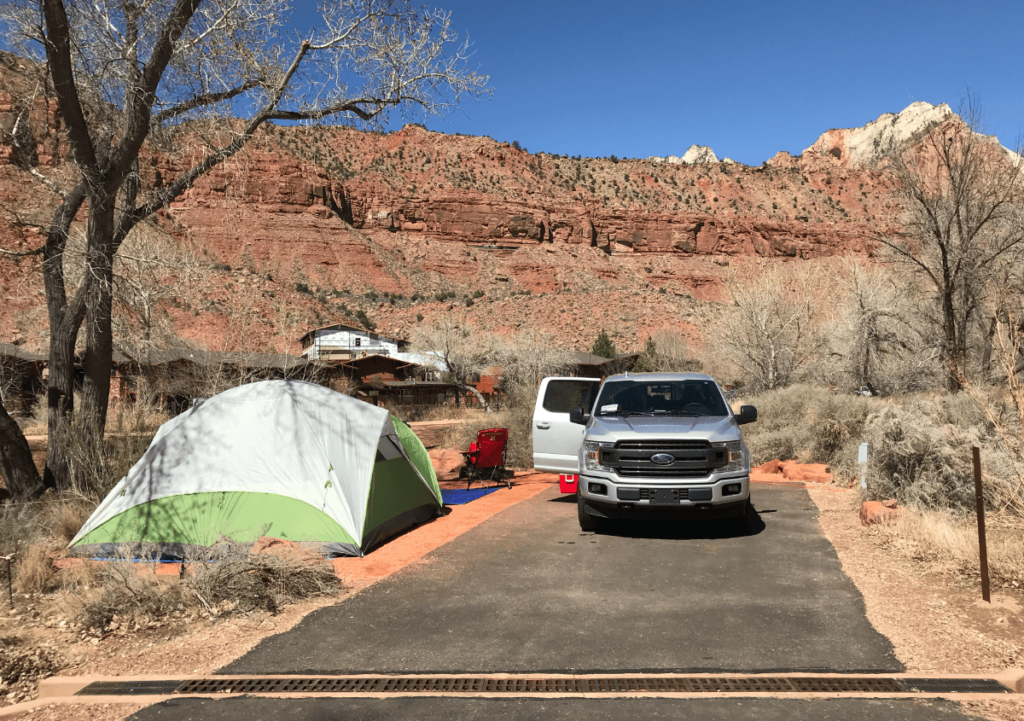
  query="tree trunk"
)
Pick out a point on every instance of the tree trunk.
point(20, 474)
point(60, 402)
point(478, 394)
point(953, 356)
point(65, 320)
point(99, 339)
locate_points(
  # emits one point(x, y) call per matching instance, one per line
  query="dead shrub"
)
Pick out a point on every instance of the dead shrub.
point(809, 424)
point(129, 597)
point(229, 579)
point(924, 461)
point(34, 571)
point(221, 580)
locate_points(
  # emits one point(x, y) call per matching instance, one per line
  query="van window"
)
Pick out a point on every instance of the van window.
point(561, 396)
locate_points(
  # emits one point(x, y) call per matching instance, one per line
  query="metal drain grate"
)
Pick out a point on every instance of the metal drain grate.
point(129, 688)
point(557, 684)
point(953, 685)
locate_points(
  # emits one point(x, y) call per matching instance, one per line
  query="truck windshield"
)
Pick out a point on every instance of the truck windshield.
point(661, 398)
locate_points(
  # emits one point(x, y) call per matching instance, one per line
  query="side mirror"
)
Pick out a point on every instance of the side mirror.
point(748, 414)
point(577, 415)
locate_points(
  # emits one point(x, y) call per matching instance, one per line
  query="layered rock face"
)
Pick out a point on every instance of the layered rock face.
point(321, 218)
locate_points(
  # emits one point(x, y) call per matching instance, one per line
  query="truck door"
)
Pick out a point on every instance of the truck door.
point(556, 441)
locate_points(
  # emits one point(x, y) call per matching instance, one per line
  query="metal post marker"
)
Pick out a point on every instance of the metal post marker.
point(862, 459)
point(982, 547)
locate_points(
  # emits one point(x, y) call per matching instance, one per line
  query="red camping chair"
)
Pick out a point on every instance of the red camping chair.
point(486, 458)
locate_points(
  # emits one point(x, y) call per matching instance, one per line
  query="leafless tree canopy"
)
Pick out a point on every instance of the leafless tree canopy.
point(129, 75)
point(773, 329)
point(962, 195)
point(460, 350)
point(879, 339)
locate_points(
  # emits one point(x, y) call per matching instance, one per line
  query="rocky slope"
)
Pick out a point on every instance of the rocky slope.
point(306, 226)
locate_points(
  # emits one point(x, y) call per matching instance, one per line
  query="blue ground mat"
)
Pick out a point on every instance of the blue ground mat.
point(458, 496)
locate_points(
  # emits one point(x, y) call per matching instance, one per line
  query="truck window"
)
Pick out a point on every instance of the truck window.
point(688, 398)
point(562, 396)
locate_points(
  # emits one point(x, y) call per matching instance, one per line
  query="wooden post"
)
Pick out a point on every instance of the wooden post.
point(982, 547)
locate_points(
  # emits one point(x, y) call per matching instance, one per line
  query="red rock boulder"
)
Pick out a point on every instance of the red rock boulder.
point(873, 512)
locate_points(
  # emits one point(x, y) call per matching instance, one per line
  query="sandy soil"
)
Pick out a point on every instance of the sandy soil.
point(934, 624)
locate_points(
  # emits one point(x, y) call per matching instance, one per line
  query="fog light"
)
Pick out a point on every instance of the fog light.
point(598, 488)
point(732, 489)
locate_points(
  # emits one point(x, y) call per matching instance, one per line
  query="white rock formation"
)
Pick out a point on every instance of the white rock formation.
point(695, 155)
point(866, 145)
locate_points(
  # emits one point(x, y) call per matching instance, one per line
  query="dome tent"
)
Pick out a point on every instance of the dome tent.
point(287, 459)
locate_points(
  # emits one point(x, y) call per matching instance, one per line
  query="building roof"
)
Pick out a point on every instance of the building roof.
point(348, 326)
point(12, 351)
point(215, 358)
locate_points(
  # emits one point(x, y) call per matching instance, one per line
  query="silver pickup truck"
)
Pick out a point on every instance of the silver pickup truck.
point(646, 446)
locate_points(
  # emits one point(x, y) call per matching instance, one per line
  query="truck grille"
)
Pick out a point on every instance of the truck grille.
point(693, 459)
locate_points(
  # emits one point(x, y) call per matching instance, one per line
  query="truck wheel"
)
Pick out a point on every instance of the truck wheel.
point(743, 523)
point(587, 522)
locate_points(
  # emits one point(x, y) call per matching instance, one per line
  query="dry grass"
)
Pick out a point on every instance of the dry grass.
point(34, 571)
point(948, 544)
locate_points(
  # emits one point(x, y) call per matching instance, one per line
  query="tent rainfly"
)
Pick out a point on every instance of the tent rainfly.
point(286, 459)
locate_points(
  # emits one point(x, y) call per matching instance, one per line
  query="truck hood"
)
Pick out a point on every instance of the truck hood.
point(612, 428)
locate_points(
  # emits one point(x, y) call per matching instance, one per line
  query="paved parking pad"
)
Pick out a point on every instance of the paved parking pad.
point(527, 591)
point(250, 709)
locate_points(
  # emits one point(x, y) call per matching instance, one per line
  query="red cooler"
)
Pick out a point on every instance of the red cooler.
point(567, 483)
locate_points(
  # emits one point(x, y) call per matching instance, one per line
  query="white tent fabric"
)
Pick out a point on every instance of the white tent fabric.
point(290, 438)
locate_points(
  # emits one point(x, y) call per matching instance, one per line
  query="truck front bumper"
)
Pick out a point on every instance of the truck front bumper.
point(605, 497)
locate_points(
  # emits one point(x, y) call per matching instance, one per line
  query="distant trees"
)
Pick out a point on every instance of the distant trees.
point(128, 77)
point(603, 346)
point(962, 196)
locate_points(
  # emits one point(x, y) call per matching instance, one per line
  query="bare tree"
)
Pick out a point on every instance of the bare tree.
point(771, 332)
point(525, 358)
point(878, 336)
point(961, 193)
point(461, 351)
point(130, 74)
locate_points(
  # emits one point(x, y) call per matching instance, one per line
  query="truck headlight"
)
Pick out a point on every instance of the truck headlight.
point(592, 455)
point(735, 451)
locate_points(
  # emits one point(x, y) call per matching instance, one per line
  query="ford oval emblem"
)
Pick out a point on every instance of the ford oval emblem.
point(663, 459)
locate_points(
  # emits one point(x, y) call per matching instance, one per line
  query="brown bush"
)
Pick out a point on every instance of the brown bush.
point(34, 571)
point(218, 581)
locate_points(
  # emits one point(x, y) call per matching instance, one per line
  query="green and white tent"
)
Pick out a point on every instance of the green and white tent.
point(286, 459)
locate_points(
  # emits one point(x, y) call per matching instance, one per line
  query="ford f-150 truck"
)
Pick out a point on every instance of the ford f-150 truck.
point(645, 446)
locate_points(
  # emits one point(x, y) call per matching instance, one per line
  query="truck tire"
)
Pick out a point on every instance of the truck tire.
point(587, 522)
point(743, 523)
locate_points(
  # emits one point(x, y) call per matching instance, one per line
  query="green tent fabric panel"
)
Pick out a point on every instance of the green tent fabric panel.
point(394, 489)
point(203, 518)
point(414, 447)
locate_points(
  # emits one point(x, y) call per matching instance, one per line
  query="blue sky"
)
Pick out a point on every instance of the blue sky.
point(651, 77)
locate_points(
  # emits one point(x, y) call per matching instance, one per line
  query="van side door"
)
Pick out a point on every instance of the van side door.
point(556, 441)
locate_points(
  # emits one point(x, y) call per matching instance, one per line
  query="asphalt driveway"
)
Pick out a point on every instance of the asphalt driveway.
point(527, 591)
